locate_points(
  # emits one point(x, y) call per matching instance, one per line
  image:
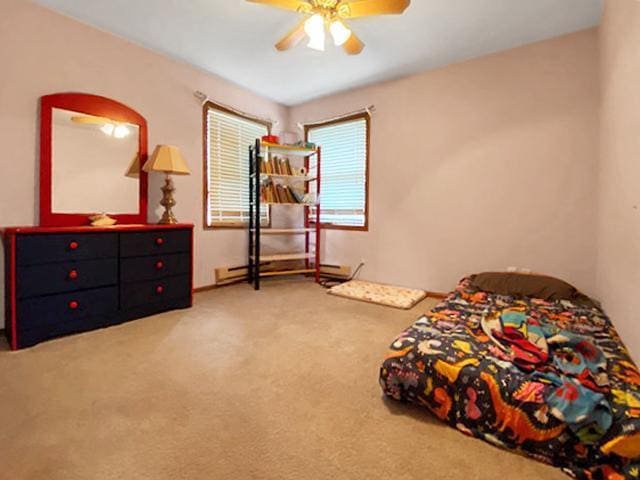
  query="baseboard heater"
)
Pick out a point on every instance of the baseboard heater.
point(230, 275)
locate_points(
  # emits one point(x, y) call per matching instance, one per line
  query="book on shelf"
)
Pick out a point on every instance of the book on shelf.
point(298, 195)
point(283, 166)
point(278, 166)
point(267, 194)
point(265, 166)
point(280, 195)
point(287, 167)
point(272, 192)
point(290, 197)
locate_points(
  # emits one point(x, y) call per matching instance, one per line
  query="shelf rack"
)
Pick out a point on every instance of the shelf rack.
point(311, 256)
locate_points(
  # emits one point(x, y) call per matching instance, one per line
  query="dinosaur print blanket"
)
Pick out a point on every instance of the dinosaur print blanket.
point(569, 362)
point(448, 363)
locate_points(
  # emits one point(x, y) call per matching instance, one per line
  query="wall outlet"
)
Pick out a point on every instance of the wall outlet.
point(525, 270)
point(512, 269)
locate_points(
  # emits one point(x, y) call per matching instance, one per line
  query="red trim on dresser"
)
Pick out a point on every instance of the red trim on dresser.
point(193, 272)
point(89, 229)
point(13, 292)
point(91, 105)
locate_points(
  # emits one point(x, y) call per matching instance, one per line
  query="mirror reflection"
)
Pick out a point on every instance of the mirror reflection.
point(95, 164)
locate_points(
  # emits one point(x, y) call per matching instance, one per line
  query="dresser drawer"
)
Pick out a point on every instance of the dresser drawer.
point(50, 278)
point(154, 292)
point(38, 249)
point(155, 267)
point(30, 337)
point(68, 308)
point(153, 243)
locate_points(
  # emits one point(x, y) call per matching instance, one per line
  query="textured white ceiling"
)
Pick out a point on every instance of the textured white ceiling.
point(234, 39)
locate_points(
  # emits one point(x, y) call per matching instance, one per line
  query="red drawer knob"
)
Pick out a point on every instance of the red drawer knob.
point(73, 304)
point(73, 246)
point(159, 241)
point(159, 265)
point(159, 289)
point(73, 275)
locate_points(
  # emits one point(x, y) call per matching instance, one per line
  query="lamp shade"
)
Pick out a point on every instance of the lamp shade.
point(133, 171)
point(167, 159)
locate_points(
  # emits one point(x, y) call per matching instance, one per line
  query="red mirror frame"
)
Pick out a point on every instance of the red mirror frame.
point(90, 105)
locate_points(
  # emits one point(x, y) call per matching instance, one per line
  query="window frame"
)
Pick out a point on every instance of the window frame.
point(367, 182)
point(206, 106)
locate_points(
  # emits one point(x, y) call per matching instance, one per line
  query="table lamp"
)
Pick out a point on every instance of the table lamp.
point(167, 159)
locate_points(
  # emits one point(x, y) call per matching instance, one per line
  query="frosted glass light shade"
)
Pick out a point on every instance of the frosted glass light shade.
point(314, 28)
point(339, 32)
point(316, 43)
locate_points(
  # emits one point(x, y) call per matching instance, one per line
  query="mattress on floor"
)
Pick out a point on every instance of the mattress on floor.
point(446, 363)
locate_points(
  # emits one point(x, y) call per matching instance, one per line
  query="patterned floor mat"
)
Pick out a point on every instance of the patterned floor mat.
point(388, 295)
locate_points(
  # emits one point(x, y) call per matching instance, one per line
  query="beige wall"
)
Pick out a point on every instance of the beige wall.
point(42, 52)
point(618, 272)
point(479, 166)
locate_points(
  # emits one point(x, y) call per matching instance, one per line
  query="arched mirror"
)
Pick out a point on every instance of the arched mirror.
point(91, 151)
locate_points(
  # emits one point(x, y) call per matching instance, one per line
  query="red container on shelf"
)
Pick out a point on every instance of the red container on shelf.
point(271, 139)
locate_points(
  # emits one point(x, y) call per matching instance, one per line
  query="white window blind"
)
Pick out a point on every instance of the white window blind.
point(228, 139)
point(343, 198)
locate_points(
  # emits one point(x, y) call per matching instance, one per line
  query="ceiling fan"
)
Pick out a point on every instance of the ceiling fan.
point(323, 15)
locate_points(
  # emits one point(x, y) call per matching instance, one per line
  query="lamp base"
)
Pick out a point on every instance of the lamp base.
point(168, 219)
point(168, 202)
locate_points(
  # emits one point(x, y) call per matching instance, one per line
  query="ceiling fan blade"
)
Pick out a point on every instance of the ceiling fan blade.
point(367, 8)
point(353, 46)
point(292, 38)
point(90, 119)
point(295, 5)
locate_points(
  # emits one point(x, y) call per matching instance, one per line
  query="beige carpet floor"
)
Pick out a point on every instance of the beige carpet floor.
point(276, 384)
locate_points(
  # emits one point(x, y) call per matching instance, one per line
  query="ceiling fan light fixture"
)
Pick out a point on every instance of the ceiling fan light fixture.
point(324, 17)
point(340, 32)
point(314, 28)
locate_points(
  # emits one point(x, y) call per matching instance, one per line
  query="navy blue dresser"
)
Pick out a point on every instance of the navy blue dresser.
point(73, 279)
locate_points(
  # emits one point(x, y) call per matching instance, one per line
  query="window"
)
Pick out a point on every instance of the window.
point(227, 140)
point(344, 171)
